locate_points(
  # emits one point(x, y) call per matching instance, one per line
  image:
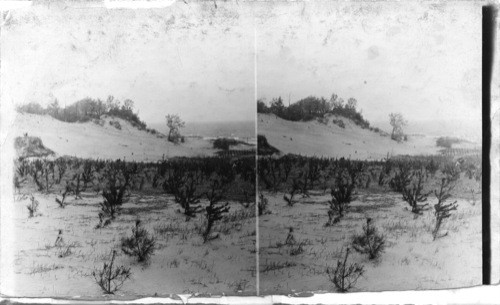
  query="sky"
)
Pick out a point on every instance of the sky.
point(421, 59)
point(192, 60)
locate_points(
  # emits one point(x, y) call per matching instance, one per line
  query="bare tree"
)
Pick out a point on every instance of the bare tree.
point(398, 122)
point(174, 123)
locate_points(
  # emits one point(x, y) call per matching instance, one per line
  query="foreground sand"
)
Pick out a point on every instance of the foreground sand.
point(181, 264)
point(412, 260)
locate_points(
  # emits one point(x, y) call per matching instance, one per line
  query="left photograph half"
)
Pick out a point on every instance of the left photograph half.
point(132, 151)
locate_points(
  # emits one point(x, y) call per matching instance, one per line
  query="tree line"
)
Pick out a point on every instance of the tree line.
point(312, 107)
point(87, 109)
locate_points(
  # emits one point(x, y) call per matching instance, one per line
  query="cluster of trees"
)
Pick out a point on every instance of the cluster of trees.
point(87, 109)
point(313, 107)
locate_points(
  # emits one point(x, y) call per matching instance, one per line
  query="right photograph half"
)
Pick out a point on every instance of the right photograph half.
point(369, 146)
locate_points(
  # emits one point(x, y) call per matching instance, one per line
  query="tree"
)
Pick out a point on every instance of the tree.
point(128, 105)
point(277, 107)
point(174, 123)
point(397, 122)
point(54, 108)
point(351, 104)
point(336, 102)
point(261, 107)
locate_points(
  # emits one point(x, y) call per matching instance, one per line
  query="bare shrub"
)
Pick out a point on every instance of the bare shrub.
point(342, 195)
point(297, 249)
point(61, 202)
point(290, 238)
point(262, 205)
point(110, 277)
point(385, 171)
point(451, 171)
point(442, 210)
point(188, 196)
point(402, 178)
point(215, 210)
point(139, 244)
point(370, 241)
point(33, 206)
point(293, 191)
point(118, 179)
point(345, 276)
point(414, 193)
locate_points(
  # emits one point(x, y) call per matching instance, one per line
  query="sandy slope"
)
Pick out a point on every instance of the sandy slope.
point(90, 140)
point(317, 139)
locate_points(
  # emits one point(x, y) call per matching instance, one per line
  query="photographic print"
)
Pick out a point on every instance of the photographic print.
point(261, 150)
point(369, 141)
point(134, 161)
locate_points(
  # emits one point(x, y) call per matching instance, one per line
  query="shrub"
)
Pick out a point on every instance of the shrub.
point(451, 171)
point(370, 242)
point(339, 123)
point(323, 120)
point(33, 206)
point(414, 193)
point(402, 178)
point(264, 148)
point(295, 188)
point(447, 142)
point(215, 210)
point(224, 143)
point(118, 179)
point(61, 202)
point(262, 205)
point(344, 276)
point(442, 210)
point(290, 238)
point(140, 244)
point(115, 124)
point(297, 249)
point(188, 197)
point(111, 278)
point(342, 195)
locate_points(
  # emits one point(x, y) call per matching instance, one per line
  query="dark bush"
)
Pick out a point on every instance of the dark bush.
point(264, 148)
point(218, 188)
point(414, 193)
point(447, 142)
point(342, 195)
point(339, 123)
point(225, 143)
point(442, 210)
point(370, 241)
point(118, 178)
point(140, 244)
point(115, 124)
point(262, 205)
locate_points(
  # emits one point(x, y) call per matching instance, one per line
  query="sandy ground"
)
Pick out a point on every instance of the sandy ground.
point(181, 264)
point(412, 260)
point(317, 139)
point(90, 140)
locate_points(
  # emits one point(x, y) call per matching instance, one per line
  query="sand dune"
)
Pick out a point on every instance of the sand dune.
point(329, 140)
point(91, 140)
